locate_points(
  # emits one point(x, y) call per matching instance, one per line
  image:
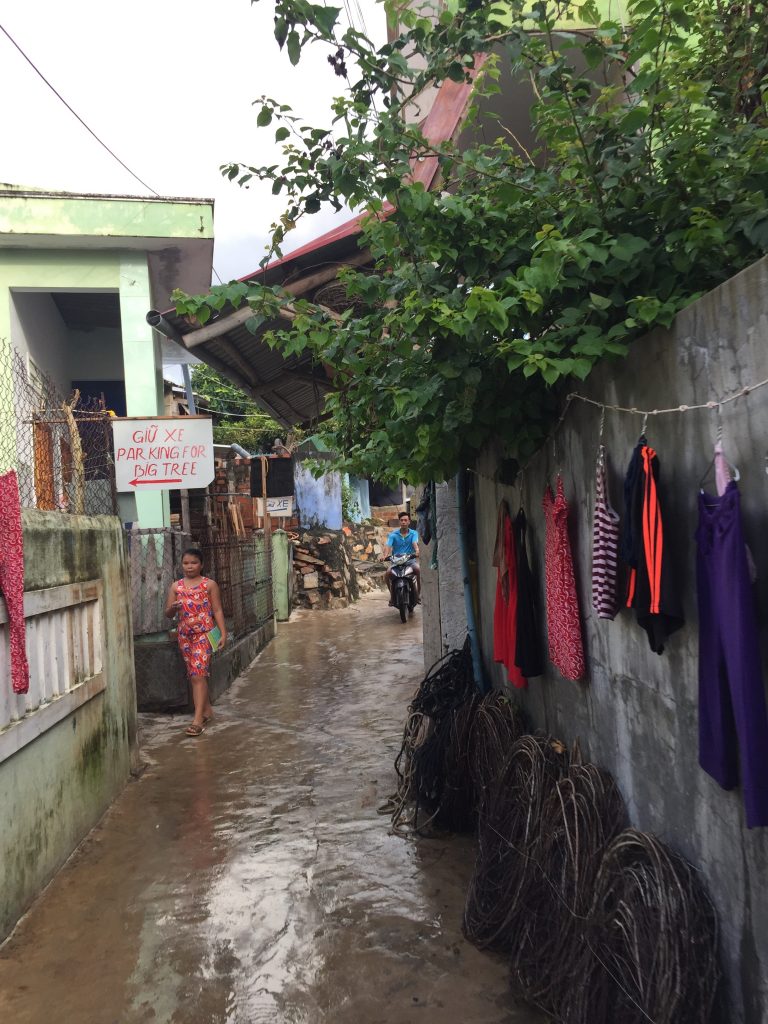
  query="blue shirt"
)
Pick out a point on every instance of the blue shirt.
point(403, 545)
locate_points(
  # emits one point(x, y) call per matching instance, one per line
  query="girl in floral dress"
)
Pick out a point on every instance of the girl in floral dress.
point(197, 602)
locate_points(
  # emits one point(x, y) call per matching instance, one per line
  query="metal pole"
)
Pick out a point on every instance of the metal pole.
point(188, 388)
point(185, 521)
point(481, 681)
point(267, 532)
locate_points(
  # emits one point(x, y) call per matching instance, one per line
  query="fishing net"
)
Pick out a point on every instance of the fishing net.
point(452, 738)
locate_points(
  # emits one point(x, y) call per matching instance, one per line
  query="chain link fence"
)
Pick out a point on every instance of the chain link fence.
point(241, 566)
point(61, 449)
point(243, 570)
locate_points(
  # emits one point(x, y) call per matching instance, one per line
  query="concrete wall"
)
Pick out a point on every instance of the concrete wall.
point(360, 492)
point(143, 367)
point(318, 500)
point(161, 681)
point(63, 355)
point(55, 789)
point(38, 331)
point(142, 248)
point(97, 355)
point(25, 274)
point(443, 610)
point(637, 713)
point(282, 574)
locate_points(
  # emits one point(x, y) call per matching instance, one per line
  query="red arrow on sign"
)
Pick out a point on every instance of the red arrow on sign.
point(152, 480)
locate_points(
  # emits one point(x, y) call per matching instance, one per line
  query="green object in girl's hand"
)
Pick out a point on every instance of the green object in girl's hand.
point(214, 638)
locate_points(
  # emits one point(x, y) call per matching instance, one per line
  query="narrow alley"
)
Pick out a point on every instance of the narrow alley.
point(246, 876)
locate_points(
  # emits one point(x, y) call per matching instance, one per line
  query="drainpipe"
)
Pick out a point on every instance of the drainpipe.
point(157, 320)
point(188, 388)
point(159, 323)
point(469, 607)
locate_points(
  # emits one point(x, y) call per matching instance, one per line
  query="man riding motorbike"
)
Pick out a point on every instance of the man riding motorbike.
point(404, 541)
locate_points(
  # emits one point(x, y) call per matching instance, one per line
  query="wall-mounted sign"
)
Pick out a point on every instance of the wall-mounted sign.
point(166, 453)
point(275, 507)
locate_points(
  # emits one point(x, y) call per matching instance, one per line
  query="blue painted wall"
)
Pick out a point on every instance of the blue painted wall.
point(318, 500)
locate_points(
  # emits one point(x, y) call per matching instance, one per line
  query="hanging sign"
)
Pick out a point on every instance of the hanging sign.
point(165, 453)
point(276, 507)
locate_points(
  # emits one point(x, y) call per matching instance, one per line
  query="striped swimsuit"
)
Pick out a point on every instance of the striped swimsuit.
point(605, 546)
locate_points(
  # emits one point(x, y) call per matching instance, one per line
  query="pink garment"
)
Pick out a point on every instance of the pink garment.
point(12, 577)
point(723, 477)
point(722, 470)
point(566, 648)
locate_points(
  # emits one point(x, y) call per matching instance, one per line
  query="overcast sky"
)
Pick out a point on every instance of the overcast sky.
point(169, 86)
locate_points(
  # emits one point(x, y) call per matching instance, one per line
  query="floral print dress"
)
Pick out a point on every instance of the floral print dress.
point(195, 623)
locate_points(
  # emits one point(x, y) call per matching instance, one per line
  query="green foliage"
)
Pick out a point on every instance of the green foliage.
point(647, 184)
point(217, 394)
point(350, 509)
point(242, 421)
point(256, 433)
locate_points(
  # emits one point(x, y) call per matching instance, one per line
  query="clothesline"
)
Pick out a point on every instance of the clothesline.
point(574, 396)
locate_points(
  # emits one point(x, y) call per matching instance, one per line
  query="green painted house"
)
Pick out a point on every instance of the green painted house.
point(77, 276)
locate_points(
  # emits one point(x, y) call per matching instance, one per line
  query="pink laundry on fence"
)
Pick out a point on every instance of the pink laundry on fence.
point(12, 577)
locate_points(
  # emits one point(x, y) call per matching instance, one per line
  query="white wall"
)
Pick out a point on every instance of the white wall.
point(96, 355)
point(37, 330)
point(63, 355)
point(318, 500)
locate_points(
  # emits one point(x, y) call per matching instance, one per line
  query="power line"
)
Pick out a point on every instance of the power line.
point(90, 130)
point(74, 112)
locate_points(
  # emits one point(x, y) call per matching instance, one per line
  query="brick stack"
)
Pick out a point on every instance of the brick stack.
point(324, 575)
point(232, 507)
point(234, 511)
point(366, 544)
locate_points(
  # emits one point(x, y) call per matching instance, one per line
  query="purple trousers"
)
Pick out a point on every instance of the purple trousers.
point(733, 723)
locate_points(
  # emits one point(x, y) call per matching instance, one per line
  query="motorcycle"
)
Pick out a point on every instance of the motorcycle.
point(404, 596)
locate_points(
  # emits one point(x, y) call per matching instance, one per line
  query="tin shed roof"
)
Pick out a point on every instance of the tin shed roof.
point(292, 389)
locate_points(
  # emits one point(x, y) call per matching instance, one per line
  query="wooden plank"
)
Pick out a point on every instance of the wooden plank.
point(5, 675)
point(65, 654)
point(100, 639)
point(73, 632)
point(135, 578)
point(34, 647)
point(149, 580)
point(90, 639)
point(20, 733)
point(45, 497)
point(58, 654)
point(38, 602)
point(38, 644)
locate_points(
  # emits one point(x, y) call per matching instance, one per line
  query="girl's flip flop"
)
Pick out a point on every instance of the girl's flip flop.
point(194, 730)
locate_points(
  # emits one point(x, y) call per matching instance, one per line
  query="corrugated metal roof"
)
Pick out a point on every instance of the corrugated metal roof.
point(292, 390)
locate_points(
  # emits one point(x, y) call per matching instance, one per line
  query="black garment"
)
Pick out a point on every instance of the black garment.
point(528, 646)
point(279, 477)
point(651, 590)
point(424, 514)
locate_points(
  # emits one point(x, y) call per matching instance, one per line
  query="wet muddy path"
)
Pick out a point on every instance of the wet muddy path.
point(246, 877)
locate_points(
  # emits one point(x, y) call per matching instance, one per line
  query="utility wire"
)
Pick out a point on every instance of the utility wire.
point(74, 112)
point(90, 130)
